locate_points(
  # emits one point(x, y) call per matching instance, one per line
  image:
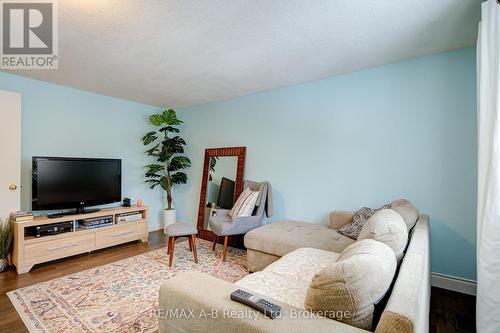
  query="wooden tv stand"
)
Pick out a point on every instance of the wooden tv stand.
point(31, 250)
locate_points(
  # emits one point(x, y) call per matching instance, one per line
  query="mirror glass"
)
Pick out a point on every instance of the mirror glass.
point(220, 185)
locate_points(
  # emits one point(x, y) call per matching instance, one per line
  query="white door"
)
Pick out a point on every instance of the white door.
point(10, 152)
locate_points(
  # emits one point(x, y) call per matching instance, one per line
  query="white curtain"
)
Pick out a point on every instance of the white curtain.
point(488, 204)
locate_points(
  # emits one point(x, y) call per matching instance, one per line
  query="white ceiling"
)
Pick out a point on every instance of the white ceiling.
point(186, 52)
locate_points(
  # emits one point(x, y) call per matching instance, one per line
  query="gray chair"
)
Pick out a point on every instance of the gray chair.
point(223, 225)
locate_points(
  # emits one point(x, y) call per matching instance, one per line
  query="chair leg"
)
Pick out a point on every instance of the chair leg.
point(215, 242)
point(190, 245)
point(225, 248)
point(168, 245)
point(193, 242)
point(171, 251)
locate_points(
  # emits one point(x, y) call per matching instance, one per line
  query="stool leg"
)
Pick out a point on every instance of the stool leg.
point(225, 248)
point(193, 242)
point(168, 245)
point(171, 251)
point(215, 242)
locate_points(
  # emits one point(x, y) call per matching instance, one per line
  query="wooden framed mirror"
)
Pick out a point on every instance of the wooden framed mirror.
point(221, 183)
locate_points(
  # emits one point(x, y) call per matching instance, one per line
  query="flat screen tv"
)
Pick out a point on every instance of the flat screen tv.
point(64, 182)
point(226, 194)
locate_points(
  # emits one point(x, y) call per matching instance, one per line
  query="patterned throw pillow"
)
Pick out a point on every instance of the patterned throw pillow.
point(353, 229)
point(245, 204)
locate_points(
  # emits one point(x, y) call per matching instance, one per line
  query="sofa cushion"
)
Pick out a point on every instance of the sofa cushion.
point(360, 277)
point(407, 210)
point(302, 264)
point(275, 287)
point(280, 238)
point(388, 227)
point(288, 279)
point(359, 218)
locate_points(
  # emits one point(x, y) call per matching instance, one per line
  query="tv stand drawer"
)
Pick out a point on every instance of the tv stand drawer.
point(119, 234)
point(60, 248)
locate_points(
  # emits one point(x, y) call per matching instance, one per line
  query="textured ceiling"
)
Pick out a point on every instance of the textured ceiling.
point(187, 52)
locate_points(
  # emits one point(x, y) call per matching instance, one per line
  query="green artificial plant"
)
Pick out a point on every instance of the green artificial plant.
point(6, 238)
point(166, 147)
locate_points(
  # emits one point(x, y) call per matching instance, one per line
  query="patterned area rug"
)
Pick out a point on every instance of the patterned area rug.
point(118, 297)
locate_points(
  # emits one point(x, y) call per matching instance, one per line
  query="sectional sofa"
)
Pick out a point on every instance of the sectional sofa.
point(287, 281)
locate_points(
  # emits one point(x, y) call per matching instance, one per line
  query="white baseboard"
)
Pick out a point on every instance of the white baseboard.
point(460, 285)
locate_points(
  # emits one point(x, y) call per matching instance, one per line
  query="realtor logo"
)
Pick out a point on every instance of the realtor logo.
point(29, 34)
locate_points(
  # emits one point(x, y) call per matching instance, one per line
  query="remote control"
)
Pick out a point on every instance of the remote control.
point(267, 308)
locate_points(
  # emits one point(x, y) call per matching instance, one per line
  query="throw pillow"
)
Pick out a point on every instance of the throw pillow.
point(245, 204)
point(352, 229)
point(388, 227)
point(407, 210)
point(347, 289)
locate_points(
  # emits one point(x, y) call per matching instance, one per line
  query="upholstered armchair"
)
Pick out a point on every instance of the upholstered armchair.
point(223, 225)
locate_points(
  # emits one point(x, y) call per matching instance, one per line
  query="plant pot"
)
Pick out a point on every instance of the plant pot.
point(4, 264)
point(168, 217)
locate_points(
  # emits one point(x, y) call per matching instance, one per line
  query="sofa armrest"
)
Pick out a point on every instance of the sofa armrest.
point(340, 218)
point(196, 302)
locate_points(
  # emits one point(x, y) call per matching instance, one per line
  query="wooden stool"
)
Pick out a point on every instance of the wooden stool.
point(181, 229)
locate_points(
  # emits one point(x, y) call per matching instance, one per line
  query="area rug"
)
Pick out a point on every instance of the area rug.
point(117, 297)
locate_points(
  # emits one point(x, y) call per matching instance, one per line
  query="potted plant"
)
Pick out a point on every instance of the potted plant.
point(6, 237)
point(166, 147)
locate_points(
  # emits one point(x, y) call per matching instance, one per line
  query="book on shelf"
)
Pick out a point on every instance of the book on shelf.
point(20, 216)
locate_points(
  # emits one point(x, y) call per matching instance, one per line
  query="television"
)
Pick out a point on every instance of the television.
point(226, 194)
point(75, 183)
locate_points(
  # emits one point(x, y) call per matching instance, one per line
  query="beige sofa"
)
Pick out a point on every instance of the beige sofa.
point(207, 299)
point(270, 242)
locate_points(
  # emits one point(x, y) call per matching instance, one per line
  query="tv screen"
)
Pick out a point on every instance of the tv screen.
point(226, 194)
point(60, 182)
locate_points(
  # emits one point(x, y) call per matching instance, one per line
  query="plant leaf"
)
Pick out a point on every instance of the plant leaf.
point(178, 163)
point(154, 168)
point(179, 178)
point(169, 129)
point(153, 151)
point(153, 183)
point(150, 137)
point(170, 117)
point(156, 119)
point(166, 183)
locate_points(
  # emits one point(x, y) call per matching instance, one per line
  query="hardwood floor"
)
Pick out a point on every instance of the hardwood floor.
point(447, 307)
point(444, 304)
point(10, 320)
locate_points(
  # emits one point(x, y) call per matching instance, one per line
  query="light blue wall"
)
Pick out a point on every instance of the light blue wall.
point(60, 121)
point(401, 130)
